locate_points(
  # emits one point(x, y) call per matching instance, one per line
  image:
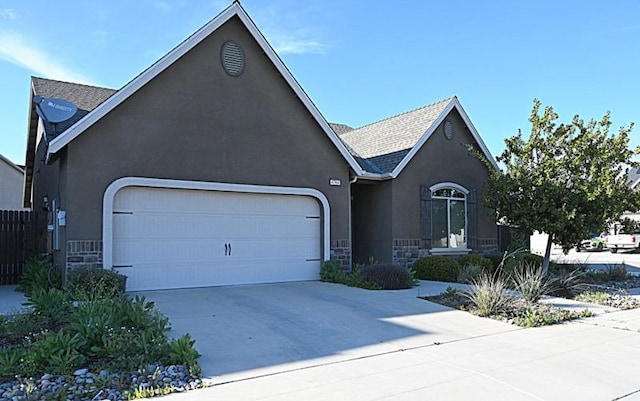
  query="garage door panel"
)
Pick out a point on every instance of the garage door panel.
point(148, 276)
point(168, 238)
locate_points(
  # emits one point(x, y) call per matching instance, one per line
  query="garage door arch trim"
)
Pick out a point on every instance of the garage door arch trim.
point(114, 187)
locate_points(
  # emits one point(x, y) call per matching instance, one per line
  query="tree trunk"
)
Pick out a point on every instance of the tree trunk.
point(547, 256)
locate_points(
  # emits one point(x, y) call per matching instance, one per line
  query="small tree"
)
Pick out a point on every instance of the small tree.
point(565, 180)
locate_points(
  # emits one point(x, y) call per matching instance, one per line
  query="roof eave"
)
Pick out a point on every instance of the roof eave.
point(375, 176)
point(30, 154)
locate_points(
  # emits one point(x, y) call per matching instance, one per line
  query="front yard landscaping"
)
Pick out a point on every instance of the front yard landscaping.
point(90, 341)
point(509, 287)
point(515, 289)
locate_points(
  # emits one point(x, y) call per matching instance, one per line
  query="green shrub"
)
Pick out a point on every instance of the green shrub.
point(476, 260)
point(89, 283)
point(543, 315)
point(387, 276)
point(470, 272)
point(56, 353)
point(51, 304)
point(331, 272)
point(39, 273)
point(530, 259)
point(10, 358)
point(436, 268)
point(489, 295)
point(181, 351)
point(495, 258)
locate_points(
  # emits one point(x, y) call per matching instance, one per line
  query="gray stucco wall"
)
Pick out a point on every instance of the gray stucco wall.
point(440, 160)
point(49, 181)
point(371, 203)
point(195, 122)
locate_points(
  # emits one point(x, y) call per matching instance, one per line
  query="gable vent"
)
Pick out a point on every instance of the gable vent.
point(232, 58)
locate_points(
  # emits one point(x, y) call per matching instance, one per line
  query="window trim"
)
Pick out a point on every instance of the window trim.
point(465, 191)
point(453, 185)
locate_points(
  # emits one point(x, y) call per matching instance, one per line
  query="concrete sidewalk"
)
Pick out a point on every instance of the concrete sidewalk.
point(319, 341)
point(11, 300)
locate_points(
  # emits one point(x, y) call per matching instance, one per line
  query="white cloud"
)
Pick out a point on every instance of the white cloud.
point(7, 13)
point(290, 32)
point(293, 46)
point(16, 50)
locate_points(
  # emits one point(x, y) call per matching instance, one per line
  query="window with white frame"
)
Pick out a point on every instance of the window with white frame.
point(449, 216)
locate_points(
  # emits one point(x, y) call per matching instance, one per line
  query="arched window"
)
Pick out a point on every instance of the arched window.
point(449, 216)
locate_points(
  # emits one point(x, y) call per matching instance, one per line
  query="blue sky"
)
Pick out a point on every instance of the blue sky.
point(359, 61)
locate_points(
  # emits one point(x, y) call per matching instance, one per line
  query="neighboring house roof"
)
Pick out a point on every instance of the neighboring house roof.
point(235, 9)
point(390, 144)
point(634, 178)
point(11, 164)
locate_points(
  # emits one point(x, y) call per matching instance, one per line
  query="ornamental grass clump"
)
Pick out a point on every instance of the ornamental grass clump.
point(531, 282)
point(490, 296)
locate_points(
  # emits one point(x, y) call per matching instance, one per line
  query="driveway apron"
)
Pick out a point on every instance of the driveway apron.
point(316, 341)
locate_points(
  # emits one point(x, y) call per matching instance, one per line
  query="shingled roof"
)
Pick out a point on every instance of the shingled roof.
point(387, 142)
point(85, 97)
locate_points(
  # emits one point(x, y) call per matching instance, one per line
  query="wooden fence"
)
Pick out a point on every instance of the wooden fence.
point(18, 242)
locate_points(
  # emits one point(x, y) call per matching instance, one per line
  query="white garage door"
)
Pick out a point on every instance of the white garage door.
point(178, 238)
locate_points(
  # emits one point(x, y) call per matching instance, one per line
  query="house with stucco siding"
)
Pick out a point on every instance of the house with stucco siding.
point(214, 167)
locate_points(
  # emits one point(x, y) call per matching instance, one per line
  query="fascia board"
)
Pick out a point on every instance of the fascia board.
point(375, 176)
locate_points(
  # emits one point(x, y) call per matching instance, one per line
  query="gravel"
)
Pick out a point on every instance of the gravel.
point(102, 385)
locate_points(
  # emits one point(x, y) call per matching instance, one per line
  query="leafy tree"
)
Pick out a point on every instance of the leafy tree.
point(566, 180)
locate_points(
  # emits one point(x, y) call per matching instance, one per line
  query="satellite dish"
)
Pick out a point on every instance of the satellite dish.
point(54, 110)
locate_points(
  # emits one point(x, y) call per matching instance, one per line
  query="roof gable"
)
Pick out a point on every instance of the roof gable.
point(235, 9)
point(391, 143)
point(11, 165)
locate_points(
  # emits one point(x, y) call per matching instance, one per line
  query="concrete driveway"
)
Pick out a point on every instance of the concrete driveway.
point(319, 341)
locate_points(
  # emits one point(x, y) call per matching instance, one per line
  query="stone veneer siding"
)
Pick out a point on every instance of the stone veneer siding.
point(84, 254)
point(407, 251)
point(89, 253)
point(341, 252)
